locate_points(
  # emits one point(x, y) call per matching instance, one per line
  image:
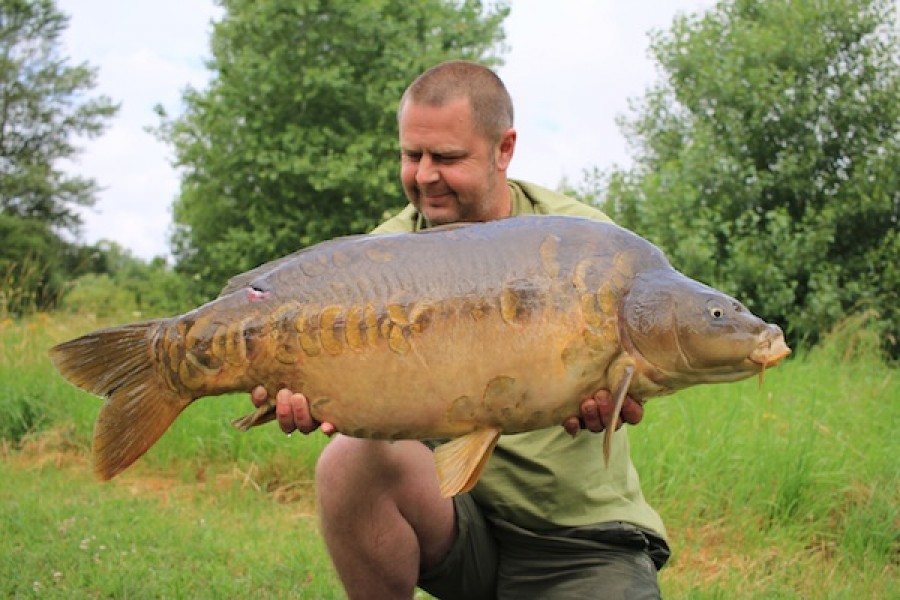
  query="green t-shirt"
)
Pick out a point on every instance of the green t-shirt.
point(545, 479)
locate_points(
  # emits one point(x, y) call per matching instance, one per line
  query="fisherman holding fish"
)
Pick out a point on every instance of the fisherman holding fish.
point(547, 519)
point(462, 334)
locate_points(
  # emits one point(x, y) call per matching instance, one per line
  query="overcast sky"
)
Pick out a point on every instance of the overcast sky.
point(571, 67)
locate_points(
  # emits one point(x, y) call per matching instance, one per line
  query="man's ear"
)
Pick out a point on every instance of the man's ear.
point(505, 149)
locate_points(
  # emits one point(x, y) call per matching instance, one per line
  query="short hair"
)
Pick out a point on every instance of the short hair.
point(492, 108)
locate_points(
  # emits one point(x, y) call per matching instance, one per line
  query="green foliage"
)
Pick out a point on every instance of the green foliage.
point(97, 294)
point(853, 340)
point(20, 414)
point(27, 381)
point(39, 271)
point(294, 141)
point(43, 106)
point(116, 284)
point(157, 289)
point(32, 266)
point(768, 161)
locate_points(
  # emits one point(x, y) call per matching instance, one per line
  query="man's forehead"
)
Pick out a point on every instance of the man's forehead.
point(436, 128)
point(453, 113)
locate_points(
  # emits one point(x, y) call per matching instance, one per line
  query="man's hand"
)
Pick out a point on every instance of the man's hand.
point(597, 413)
point(292, 411)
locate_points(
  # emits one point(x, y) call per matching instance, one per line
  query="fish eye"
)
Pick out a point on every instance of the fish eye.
point(717, 312)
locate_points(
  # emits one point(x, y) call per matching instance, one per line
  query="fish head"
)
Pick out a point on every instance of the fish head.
point(690, 333)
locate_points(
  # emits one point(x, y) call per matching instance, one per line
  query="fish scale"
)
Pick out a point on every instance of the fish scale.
point(465, 333)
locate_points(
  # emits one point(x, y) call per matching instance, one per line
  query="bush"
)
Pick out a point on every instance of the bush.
point(98, 295)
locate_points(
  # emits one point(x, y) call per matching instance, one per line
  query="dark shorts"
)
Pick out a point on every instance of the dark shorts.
point(494, 559)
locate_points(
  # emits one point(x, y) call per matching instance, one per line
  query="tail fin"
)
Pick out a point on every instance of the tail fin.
point(118, 364)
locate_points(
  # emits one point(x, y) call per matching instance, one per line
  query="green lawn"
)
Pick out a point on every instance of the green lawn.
point(152, 536)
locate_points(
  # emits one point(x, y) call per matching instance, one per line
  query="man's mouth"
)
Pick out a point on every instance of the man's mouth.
point(436, 198)
point(437, 201)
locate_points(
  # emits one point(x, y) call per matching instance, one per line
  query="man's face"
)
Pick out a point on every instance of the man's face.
point(450, 172)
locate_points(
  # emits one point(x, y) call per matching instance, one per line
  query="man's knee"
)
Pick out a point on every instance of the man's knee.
point(348, 463)
point(337, 466)
point(338, 452)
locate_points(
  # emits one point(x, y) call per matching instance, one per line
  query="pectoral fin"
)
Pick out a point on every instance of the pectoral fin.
point(619, 395)
point(260, 416)
point(460, 462)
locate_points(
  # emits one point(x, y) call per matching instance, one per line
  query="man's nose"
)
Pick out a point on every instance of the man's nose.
point(427, 171)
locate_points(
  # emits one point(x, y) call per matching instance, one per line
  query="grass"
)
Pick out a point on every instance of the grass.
point(788, 491)
point(792, 491)
point(151, 536)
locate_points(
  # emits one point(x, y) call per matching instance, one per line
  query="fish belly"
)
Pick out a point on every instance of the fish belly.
point(456, 376)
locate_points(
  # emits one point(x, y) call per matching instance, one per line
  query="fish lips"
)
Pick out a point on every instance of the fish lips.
point(772, 348)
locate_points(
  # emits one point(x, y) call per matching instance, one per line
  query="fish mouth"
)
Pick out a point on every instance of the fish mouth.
point(772, 349)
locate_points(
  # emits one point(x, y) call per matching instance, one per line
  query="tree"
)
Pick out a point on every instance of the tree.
point(43, 107)
point(294, 141)
point(768, 160)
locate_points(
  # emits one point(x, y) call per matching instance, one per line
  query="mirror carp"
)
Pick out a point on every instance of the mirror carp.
point(460, 333)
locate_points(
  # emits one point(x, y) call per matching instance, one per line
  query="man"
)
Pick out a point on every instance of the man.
point(547, 519)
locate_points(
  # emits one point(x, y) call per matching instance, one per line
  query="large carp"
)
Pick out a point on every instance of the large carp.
point(464, 332)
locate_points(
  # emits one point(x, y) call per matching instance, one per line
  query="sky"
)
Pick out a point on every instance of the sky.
point(571, 67)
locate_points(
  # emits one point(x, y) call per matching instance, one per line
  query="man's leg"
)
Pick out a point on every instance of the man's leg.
point(383, 518)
